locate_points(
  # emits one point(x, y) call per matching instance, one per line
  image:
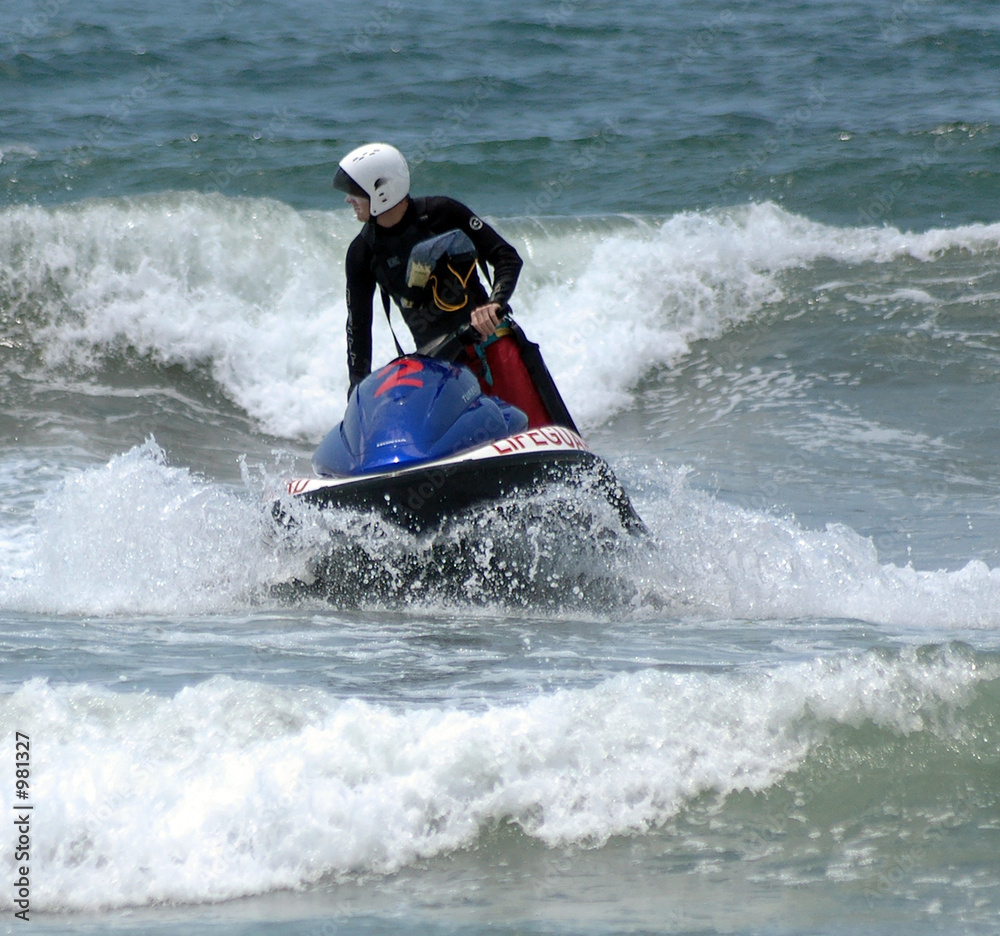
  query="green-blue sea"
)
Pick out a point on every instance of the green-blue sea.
point(761, 247)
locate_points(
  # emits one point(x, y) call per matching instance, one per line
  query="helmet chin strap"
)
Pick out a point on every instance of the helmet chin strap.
point(389, 217)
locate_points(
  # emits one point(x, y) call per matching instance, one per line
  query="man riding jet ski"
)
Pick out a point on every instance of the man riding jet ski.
point(376, 179)
point(474, 415)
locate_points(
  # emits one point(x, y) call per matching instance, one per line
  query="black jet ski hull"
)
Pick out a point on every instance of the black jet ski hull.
point(421, 496)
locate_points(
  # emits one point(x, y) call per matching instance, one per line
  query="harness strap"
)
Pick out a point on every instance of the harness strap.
point(388, 318)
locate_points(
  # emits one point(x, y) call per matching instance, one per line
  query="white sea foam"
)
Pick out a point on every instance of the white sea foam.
point(136, 536)
point(608, 305)
point(230, 788)
point(255, 290)
point(720, 560)
point(139, 536)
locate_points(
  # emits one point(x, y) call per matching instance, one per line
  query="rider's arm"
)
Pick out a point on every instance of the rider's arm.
point(506, 264)
point(360, 291)
point(503, 259)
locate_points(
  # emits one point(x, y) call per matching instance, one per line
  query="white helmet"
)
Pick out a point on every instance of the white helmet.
point(375, 171)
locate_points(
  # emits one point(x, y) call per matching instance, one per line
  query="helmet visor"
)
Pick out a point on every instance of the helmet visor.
point(345, 183)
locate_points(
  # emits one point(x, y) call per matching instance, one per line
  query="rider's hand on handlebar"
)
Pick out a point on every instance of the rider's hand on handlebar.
point(486, 318)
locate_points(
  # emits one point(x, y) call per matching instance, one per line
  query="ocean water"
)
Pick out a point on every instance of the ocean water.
point(762, 259)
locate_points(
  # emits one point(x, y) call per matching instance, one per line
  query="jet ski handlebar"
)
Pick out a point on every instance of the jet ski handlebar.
point(447, 346)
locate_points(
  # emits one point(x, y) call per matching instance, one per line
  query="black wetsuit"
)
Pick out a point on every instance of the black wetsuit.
point(378, 257)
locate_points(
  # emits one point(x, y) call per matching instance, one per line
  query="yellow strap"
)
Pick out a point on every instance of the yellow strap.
point(439, 302)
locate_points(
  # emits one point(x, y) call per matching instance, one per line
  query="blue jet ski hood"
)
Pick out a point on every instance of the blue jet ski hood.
point(413, 410)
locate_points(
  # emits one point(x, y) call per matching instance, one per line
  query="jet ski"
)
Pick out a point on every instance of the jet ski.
point(421, 443)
